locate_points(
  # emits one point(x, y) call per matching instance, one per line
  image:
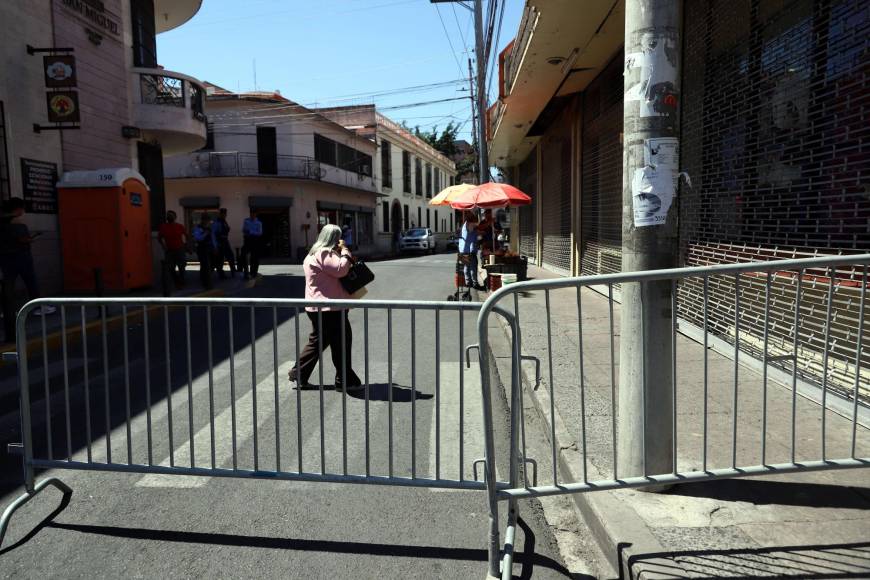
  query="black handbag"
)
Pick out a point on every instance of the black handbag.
point(357, 277)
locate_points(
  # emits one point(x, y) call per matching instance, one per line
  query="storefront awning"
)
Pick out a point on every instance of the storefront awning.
point(269, 201)
point(200, 201)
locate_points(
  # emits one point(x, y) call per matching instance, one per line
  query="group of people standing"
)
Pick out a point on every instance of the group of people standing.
point(212, 241)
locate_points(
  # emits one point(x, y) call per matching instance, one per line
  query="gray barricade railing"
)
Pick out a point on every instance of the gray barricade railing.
point(203, 382)
point(824, 287)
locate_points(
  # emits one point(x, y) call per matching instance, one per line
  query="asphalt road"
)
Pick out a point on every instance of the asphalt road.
point(160, 405)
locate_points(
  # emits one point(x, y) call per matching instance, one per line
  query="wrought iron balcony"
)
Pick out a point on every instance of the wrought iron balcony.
point(241, 164)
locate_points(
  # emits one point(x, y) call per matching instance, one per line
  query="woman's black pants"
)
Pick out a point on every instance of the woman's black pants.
point(329, 335)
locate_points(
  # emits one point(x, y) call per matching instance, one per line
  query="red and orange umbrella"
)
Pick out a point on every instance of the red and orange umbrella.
point(490, 195)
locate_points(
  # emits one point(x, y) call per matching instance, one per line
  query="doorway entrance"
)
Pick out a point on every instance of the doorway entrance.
point(276, 231)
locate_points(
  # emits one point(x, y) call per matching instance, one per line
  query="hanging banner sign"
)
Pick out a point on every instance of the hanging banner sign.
point(63, 107)
point(60, 71)
point(654, 186)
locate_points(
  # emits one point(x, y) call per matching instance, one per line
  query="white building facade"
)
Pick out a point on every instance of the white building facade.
point(298, 169)
point(410, 172)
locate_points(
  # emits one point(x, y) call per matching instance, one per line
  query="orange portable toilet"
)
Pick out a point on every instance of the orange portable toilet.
point(105, 223)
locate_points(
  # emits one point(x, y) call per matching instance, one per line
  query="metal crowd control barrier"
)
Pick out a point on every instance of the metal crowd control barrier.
point(178, 378)
point(818, 283)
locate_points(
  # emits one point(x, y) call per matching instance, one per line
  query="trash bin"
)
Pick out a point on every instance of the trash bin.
point(105, 225)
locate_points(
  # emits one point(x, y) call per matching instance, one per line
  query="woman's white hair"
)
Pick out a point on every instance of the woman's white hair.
point(327, 240)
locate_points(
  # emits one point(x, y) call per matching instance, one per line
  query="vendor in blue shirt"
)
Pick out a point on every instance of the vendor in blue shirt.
point(205, 249)
point(468, 244)
point(252, 231)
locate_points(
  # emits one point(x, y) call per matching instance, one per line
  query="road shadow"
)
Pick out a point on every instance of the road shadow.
point(64, 502)
point(762, 492)
point(528, 559)
point(378, 392)
point(824, 561)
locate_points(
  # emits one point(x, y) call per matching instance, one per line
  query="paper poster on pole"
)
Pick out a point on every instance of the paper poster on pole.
point(654, 186)
point(657, 62)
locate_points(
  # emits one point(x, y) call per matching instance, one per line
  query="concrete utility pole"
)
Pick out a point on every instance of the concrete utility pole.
point(483, 150)
point(473, 117)
point(649, 234)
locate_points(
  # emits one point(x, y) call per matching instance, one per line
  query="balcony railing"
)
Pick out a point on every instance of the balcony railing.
point(239, 164)
point(166, 90)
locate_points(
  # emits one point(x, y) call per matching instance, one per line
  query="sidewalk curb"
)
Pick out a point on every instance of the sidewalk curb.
point(73, 334)
point(610, 518)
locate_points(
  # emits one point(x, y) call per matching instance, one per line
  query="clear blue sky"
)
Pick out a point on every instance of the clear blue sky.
point(322, 52)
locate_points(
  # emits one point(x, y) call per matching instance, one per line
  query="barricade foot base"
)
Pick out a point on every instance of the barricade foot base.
point(27, 496)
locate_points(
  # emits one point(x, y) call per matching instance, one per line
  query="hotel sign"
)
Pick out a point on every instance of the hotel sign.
point(94, 14)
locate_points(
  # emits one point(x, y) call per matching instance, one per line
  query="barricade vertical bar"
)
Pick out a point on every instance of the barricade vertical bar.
point(189, 387)
point(277, 397)
point(414, 393)
point(797, 315)
point(24, 408)
point(858, 352)
point(146, 339)
point(298, 394)
point(344, 391)
point(552, 391)
point(674, 374)
point(643, 389)
point(320, 376)
point(582, 386)
point(86, 366)
point(522, 415)
point(106, 396)
point(764, 370)
point(390, 388)
point(127, 386)
point(210, 383)
point(612, 379)
point(233, 384)
point(438, 393)
point(462, 394)
point(706, 368)
point(736, 368)
point(254, 387)
point(366, 371)
point(66, 382)
point(168, 384)
point(50, 443)
point(832, 273)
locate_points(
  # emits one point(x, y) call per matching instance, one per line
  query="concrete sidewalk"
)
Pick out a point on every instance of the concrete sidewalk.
point(801, 525)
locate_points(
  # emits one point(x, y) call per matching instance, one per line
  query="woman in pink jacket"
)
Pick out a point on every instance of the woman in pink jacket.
point(328, 261)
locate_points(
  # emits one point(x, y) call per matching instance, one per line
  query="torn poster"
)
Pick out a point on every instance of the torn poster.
point(657, 89)
point(654, 186)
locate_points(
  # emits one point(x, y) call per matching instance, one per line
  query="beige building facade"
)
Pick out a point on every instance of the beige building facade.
point(120, 108)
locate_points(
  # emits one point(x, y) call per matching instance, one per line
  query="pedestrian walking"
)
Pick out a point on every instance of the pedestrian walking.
point(328, 261)
point(468, 244)
point(220, 233)
point(252, 230)
point(347, 234)
point(204, 249)
point(173, 237)
point(16, 259)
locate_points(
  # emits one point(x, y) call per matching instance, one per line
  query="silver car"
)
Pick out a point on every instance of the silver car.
point(418, 240)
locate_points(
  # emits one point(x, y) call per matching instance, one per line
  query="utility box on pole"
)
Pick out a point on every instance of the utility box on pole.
point(649, 235)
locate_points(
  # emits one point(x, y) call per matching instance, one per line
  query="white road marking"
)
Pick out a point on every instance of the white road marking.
point(223, 423)
point(472, 428)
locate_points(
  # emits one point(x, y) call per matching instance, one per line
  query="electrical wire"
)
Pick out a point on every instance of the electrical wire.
point(449, 41)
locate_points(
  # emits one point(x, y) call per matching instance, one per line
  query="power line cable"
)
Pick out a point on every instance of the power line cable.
point(449, 41)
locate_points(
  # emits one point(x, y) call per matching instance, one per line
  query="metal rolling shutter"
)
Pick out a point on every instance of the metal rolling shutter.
point(528, 183)
point(779, 157)
point(556, 194)
point(601, 192)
